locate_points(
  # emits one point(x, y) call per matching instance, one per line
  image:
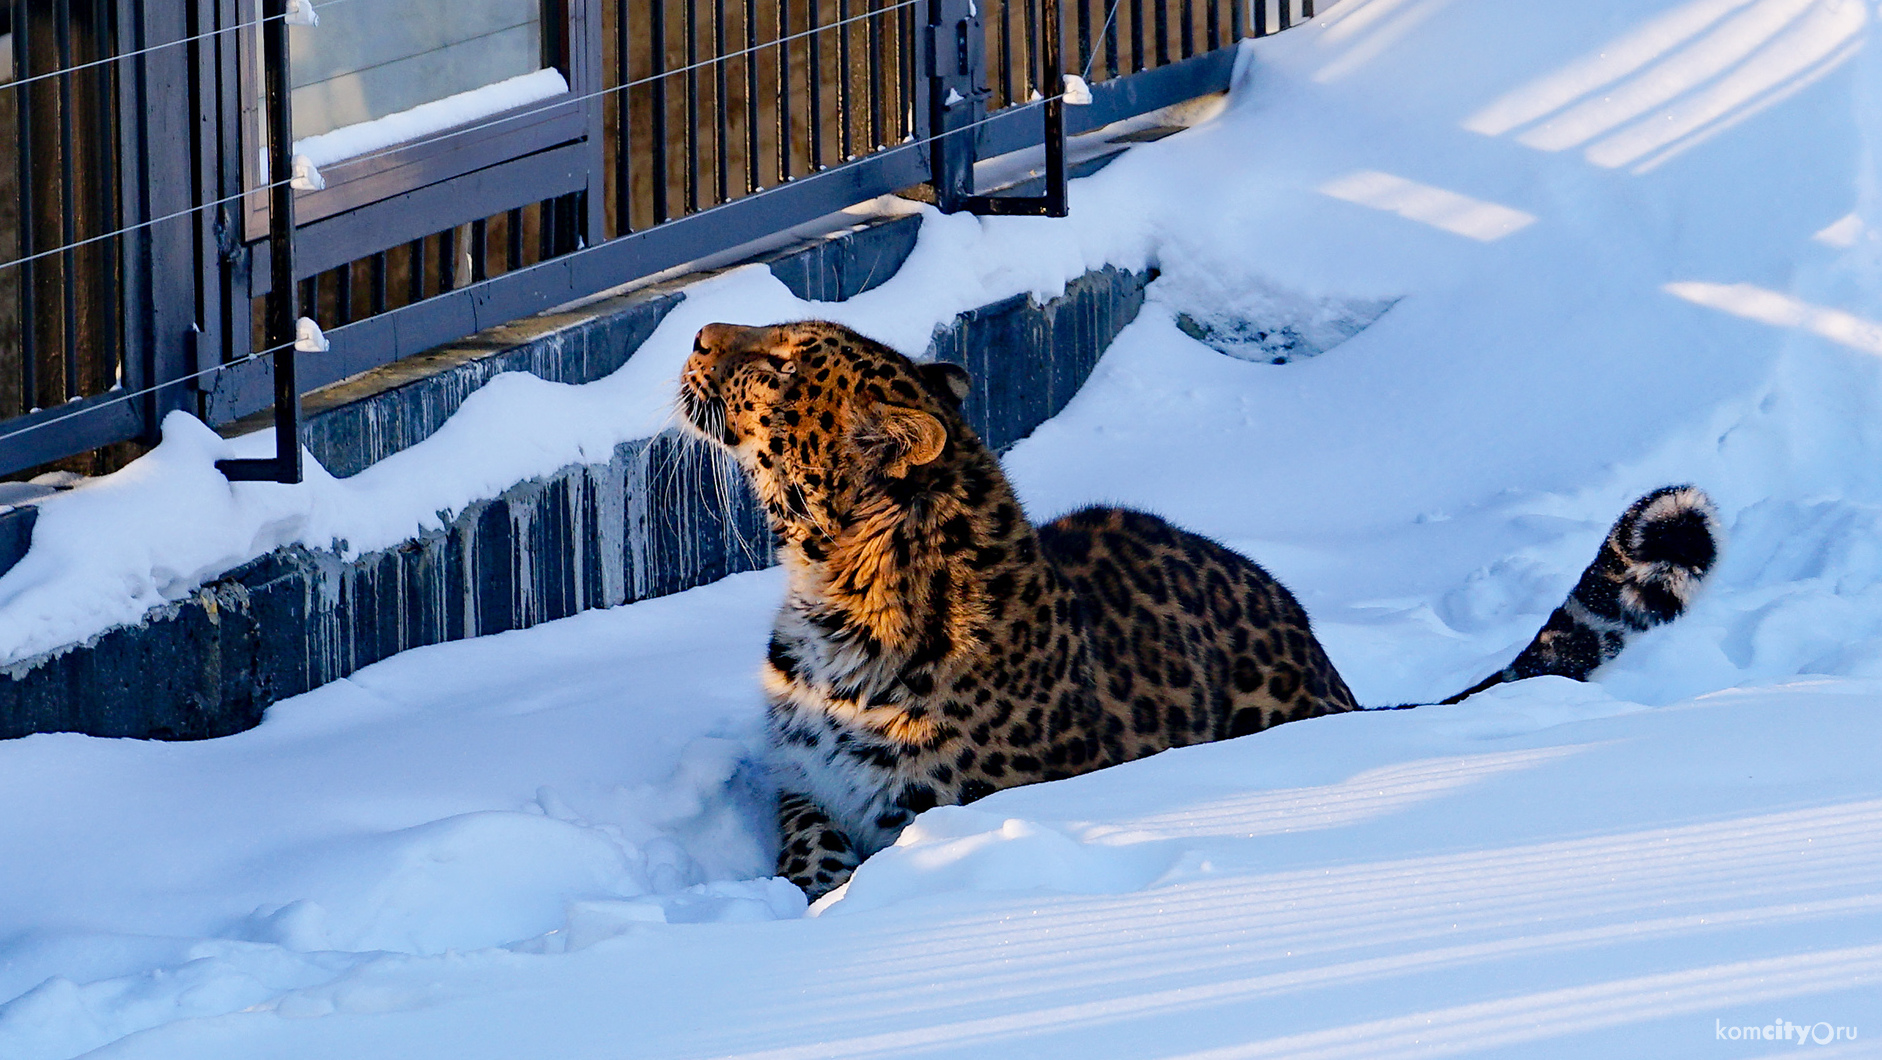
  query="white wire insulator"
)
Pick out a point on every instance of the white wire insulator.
point(306, 175)
point(1077, 92)
point(308, 337)
point(302, 13)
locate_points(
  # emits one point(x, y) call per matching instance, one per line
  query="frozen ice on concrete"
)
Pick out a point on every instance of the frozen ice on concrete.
point(1254, 320)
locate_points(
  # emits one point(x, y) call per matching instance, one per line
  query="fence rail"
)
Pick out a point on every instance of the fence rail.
point(137, 241)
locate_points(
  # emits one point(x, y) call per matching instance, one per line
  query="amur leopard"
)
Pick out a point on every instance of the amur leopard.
point(934, 646)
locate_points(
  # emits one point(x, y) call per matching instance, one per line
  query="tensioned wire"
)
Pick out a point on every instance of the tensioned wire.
point(261, 354)
point(130, 395)
point(455, 131)
point(22, 82)
point(458, 130)
point(550, 105)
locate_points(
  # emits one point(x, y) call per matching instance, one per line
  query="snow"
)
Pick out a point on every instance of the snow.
point(462, 108)
point(553, 842)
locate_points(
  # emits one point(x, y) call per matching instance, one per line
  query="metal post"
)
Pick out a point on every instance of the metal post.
point(285, 465)
point(957, 64)
point(1054, 198)
point(23, 27)
point(957, 96)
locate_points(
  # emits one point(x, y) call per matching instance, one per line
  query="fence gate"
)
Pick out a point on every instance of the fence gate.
point(419, 170)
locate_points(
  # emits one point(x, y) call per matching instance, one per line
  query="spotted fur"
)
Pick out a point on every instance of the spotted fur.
point(1648, 571)
point(934, 646)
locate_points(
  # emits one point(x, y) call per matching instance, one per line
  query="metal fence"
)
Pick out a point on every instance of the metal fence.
point(153, 197)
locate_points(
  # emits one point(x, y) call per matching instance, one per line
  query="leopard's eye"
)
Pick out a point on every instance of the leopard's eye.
point(789, 367)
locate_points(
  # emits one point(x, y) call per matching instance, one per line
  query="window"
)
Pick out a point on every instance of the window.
point(391, 96)
point(374, 73)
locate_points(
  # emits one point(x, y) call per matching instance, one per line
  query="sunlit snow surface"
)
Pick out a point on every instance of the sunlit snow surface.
point(553, 842)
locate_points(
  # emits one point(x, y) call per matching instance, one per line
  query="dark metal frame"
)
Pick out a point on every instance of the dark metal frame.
point(188, 281)
point(955, 51)
point(495, 140)
point(283, 307)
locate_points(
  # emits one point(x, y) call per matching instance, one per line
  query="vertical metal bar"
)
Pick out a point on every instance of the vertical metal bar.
point(546, 236)
point(657, 103)
point(845, 148)
point(28, 271)
point(1215, 24)
point(68, 210)
point(1306, 8)
point(415, 282)
point(751, 96)
point(623, 134)
point(343, 294)
point(814, 33)
point(1285, 8)
point(513, 236)
point(691, 176)
point(1054, 111)
point(905, 48)
point(1084, 36)
point(1236, 22)
point(1006, 54)
point(310, 296)
point(1186, 39)
point(1161, 14)
point(1036, 57)
point(1030, 72)
point(784, 91)
point(480, 250)
point(104, 182)
point(872, 32)
point(721, 112)
point(1110, 40)
point(1261, 17)
point(227, 87)
point(447, 260)
point(1137, 36)
point(379, 270)
point(281, 311)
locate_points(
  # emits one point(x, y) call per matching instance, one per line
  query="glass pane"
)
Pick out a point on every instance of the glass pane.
point(387, 71)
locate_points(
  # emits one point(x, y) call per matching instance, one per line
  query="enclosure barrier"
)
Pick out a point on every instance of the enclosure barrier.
point(425, 169)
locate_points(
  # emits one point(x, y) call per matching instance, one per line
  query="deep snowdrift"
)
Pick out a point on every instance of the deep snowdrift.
point(1623, 244)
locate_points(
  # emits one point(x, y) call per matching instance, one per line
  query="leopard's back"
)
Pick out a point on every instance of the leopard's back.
point(1189, 641)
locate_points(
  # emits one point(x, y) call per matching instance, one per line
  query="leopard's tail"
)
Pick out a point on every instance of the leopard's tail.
point(1648, 571)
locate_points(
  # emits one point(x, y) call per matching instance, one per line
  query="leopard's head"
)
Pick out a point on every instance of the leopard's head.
point(818, 415)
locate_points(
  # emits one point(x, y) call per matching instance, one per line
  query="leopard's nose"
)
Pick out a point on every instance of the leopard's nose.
point(723, 337)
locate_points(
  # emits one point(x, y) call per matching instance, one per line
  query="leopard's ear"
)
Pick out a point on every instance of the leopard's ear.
point(948, 382)
point(905, 438)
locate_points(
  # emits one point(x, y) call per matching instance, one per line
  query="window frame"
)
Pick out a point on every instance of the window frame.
point(570, 46)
